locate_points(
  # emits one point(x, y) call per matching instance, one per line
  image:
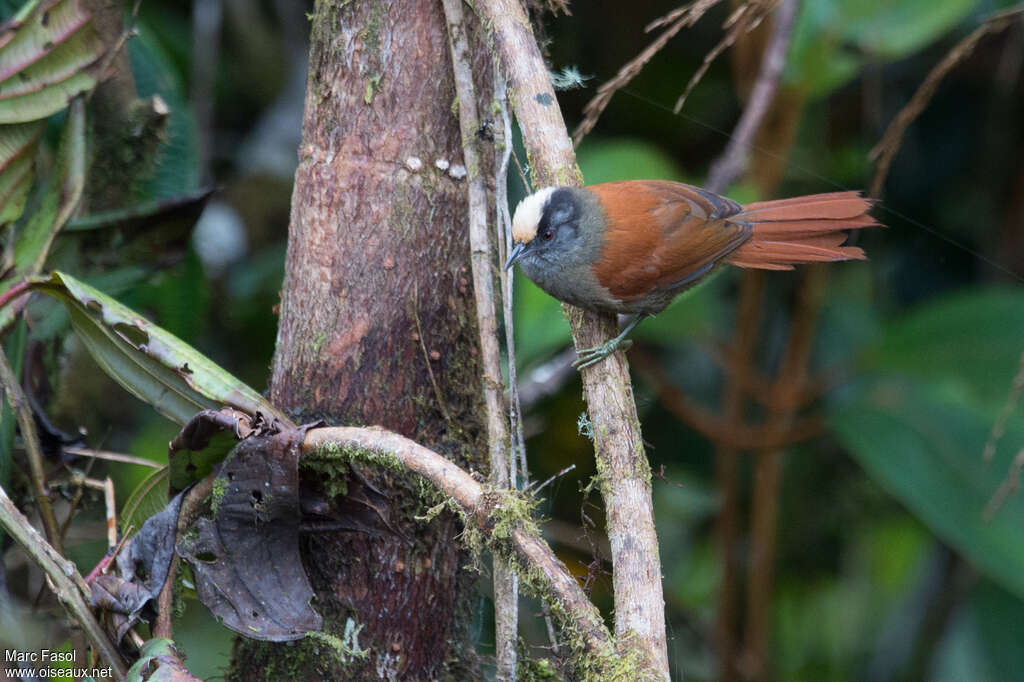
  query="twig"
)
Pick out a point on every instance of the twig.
point(999, 427)
point(503, 220)
point(482, 260)
point(722, 430)
point(16, 397)
point(619, 452)
point(547, 379)
point(744, 18)
point(884, 152)
point(441, 404)
point(765, 507)
point(1009, 486)
point(680, 19)
point(727, 526)
point(733, 162)
point(112, 457)
point(561, 473)
point(68, 584)
point(195, 502)
point(468, 494)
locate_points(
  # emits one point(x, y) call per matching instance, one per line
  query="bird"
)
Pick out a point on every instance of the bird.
point(632, 246)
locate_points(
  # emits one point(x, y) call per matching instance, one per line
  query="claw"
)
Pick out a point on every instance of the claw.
point(592, 356)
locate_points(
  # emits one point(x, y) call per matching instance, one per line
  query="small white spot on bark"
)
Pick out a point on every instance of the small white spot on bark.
point(414, 163)
point(442, 164)
point(457, 172)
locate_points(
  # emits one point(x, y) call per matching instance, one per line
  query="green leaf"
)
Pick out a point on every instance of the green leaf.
point(835, 39)
point(177, 171)
point(151, 363)
point(971, 341)
point(34, 241)
point(149, 497)
point(48, 55)
point(984, 642)
point(625, 159)
point(17, 164)
point(189, 466)
point(923, 443)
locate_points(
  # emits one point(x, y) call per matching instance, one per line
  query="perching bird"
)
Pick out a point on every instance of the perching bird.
point(633, 246)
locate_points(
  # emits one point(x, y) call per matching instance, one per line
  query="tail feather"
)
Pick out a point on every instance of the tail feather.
point(805, 229)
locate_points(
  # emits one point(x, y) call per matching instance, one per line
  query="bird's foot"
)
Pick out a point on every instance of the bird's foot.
point(592, 356)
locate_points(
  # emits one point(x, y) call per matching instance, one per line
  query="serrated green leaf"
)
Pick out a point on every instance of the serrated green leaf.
point(924, 444)
point(151, 363)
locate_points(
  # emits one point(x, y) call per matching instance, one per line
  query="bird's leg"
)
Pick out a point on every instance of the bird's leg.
point(590, 356)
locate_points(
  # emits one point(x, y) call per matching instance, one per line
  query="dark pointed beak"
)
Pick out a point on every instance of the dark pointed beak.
point(517, 252)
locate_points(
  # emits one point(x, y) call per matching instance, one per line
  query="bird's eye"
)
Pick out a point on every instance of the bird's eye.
point(548, 234)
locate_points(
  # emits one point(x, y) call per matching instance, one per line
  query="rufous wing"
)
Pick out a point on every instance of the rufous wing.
point(662, 235)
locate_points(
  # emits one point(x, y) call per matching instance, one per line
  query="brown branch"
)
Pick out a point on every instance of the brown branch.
point(482, 260)
point(621, 462)
point(195, 503)
point(559, 587)
point(727, 526)
point(733, 161)
point(884, 152)
point(676, 20)
point(721, 430)
point(68, 584)
point(744, 18)
point(19, 403)
point(765, 508)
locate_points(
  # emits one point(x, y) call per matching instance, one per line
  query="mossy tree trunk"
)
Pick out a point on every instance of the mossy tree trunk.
point(377, 327)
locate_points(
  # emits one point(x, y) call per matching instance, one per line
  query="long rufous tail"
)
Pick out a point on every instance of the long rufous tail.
point(805, 229)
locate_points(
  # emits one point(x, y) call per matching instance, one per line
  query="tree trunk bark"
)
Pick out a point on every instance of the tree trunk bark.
point(377, 327)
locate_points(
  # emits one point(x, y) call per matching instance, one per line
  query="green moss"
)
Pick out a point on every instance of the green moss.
point(220, 488)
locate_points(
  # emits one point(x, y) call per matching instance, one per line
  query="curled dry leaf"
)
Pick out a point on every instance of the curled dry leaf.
point(246, 557)
point(144, 565)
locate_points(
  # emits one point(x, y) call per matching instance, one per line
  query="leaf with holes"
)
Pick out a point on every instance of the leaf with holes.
point(246, 558)
point(151, 363)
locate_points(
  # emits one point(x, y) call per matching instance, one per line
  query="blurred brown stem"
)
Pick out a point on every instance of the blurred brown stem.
point(748, 320)
point(16, 397)
point(765, 508)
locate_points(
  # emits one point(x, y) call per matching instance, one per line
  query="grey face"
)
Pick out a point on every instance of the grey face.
point(558, 241)
point(568, 242)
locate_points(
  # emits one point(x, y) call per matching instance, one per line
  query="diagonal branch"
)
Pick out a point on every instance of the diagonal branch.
point(556, 584)
point(733, 161)
point(884, 152)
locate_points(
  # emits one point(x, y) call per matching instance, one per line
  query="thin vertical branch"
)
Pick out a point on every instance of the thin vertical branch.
point(727, 472)
point(482, 259)
point(791, 378)
point(503, 220)
point(625, 477)
point(16, 397)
